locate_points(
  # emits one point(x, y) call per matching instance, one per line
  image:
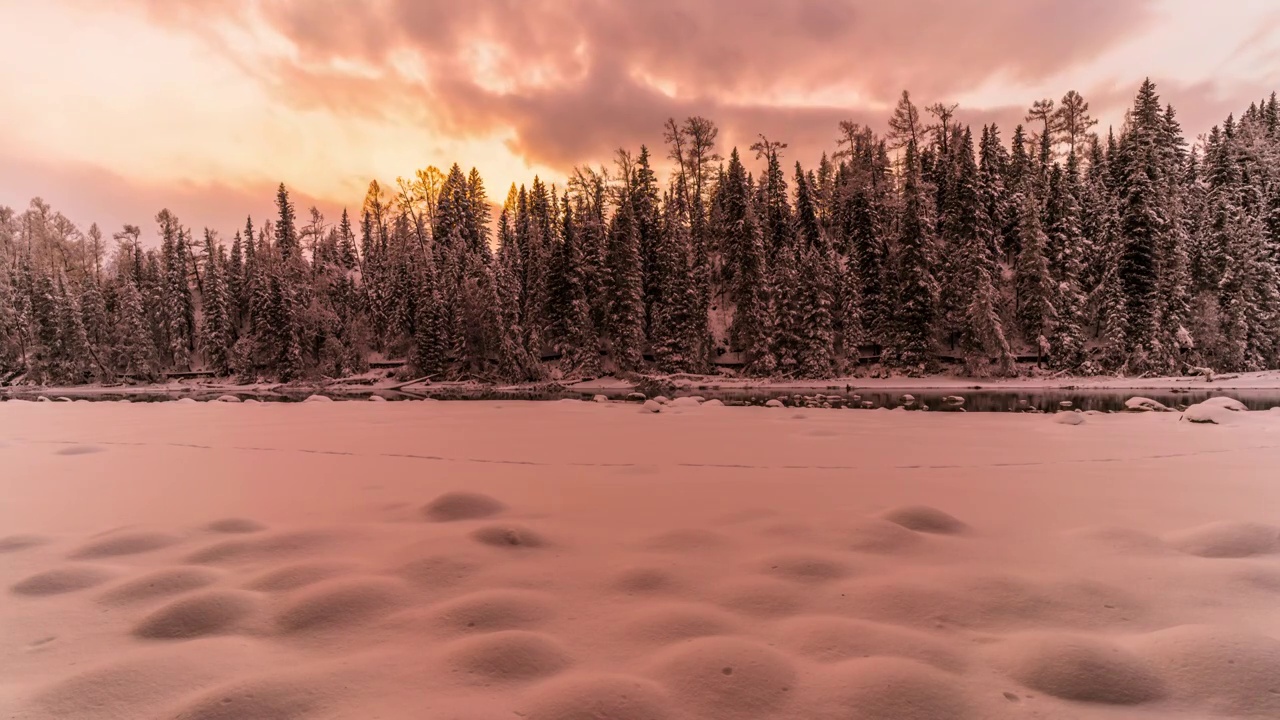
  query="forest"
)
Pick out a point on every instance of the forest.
point(930, 247)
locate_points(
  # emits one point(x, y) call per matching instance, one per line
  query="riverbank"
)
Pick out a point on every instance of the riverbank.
point(392, 388)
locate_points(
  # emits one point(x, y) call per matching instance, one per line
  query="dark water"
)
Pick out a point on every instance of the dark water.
point(932, 400)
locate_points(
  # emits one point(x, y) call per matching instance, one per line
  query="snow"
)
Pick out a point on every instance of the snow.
point(688, 401)
point(651, 406)
point(600, 398)
point(1142, 404)
point(349, 560)
point(1225, 402)
point(1217, 411)
point(228, 399)
point(1069, 418)
point(774, 403)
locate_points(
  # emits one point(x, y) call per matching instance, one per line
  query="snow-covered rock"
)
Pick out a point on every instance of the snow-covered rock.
point(774, 403)
point(638, 397)
point(186, 401)
point(1069, 418)
point(251, 401)
point(1065, 405)
point(377, 398)
point(227, 399)
point(43, 399)
point(1223, 401)
point(600, 399)
point(652, 406)
point(713, 403)
point(1209, 414)
point(1216, 411)
point(62, 398)
point(318, 398)
point(1143, 404)
point(691, 401)
point(661, 400)
point(907, 399)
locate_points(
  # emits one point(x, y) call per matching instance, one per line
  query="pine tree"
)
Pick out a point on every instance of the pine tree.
point(625, 273)
point(910, 340)
point(1065, 255)
point(1034, 282)
point(215, 334)
point(570, 310)
point(745, 256)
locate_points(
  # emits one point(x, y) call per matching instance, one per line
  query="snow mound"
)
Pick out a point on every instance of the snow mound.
point(886, 688)
point(1208, 415)
point(1080, 668)
point(600, 399)
point(1230, 672)
point(507, 656)
point(922, 518)
point(340, 603)
point(726, 678)
point(774, 403)
point(690, 401)
point(207, 613)
point(1143, 404)
point(661, 400)
point(1228, 540)
point(125, 543)
point(595, 697)
point(833, 639)
point(667, 623)
point(651, 406)
point(377, 398)
point(1069, 418)
point(318, 398)
point(713, 403)
point(1223, 401)
point(61, 580)
point(227, 399)
point(186, 401)
point(453, 506)
point(1216, 411)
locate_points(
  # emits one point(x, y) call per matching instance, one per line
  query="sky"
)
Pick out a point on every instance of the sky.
point(114, 110)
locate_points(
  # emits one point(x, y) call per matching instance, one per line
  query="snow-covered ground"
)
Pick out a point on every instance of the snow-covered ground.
point(559, 561)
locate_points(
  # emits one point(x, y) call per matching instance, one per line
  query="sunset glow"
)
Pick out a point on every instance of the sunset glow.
point(114, 110)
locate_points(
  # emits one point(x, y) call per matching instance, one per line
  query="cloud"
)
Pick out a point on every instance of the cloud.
point(570, 80)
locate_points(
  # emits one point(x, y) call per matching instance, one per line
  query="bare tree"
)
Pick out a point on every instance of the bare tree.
point(1073, 120)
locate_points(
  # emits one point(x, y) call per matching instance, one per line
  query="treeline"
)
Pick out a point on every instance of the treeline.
point(1136, 252)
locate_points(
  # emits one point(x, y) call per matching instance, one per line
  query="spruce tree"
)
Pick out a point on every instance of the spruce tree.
point(910, 339)
point(215, 334)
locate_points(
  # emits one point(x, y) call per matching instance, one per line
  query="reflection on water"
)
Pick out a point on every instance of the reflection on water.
point(932, 400)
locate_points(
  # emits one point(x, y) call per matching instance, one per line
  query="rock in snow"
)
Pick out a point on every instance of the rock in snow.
point(1215, 411)
point(661, 400)
point(691, 401)
point(1223, 401)
point(318, 398)
point(1142, 404)
point(227, 398)
point(651, 406)
point(774, 403)
point(1069, 418)
point(600, 399)
point(636, 397)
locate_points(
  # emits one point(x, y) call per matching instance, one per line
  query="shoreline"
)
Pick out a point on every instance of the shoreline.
point(1264, 381)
